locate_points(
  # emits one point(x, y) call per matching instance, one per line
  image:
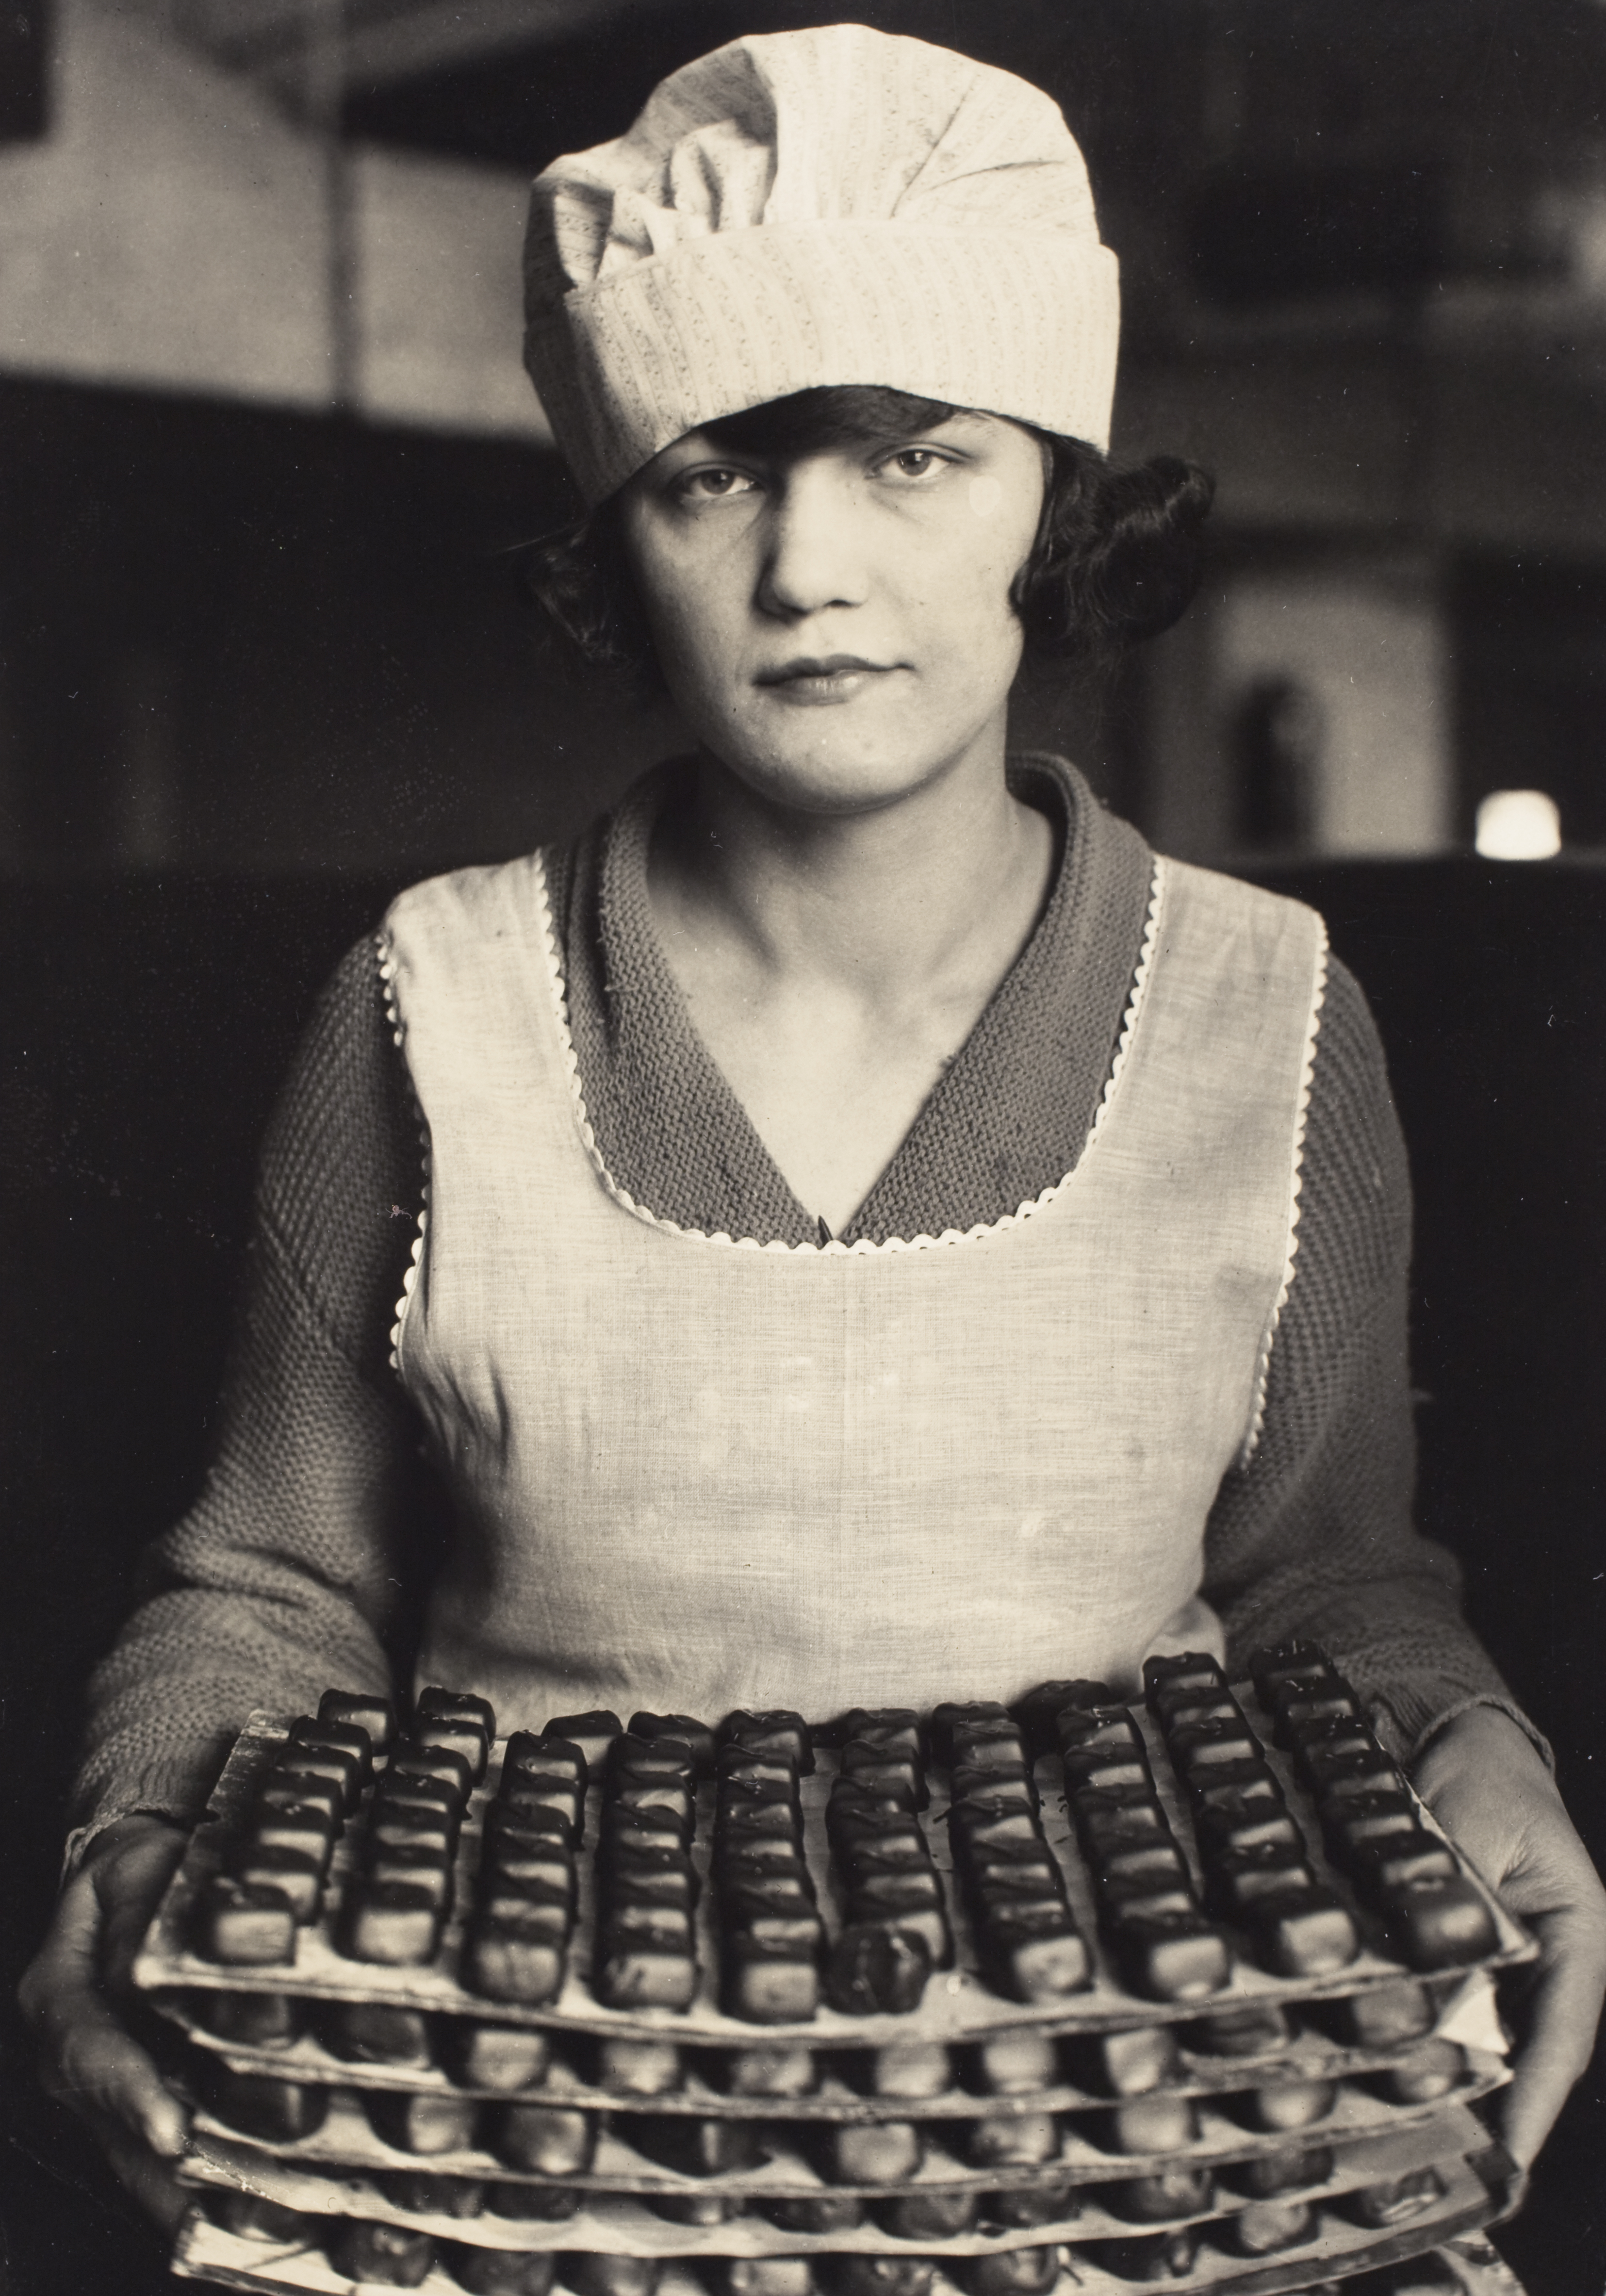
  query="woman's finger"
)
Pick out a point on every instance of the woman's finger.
point(89, 2061)
point(1560, 2017)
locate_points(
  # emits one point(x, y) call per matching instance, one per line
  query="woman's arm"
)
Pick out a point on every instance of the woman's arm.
point(1314, 1537)
point(291, 1572)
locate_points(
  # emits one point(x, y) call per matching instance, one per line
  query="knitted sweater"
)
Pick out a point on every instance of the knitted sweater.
point(305, 1559)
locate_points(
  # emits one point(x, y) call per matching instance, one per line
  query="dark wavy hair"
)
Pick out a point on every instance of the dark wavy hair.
point(1116, 557)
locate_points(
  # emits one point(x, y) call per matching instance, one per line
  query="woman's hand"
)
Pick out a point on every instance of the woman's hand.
point(1489, 1790)
point(76, 1993)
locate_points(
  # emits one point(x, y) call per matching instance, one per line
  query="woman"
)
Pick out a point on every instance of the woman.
point(888, 1237)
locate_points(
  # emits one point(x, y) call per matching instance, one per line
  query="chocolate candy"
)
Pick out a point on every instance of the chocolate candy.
point(638, 2068)
point(287, 1789)
point(278, 2111)
point(501, 2271)
point(1149, 2258)
point(1181, 1670)
point(815, 2212)
point(516, 1955)
point(532, 2203)
point(426, 2194)
point(549, 2140)
point(1012, 2272)
point(1267, 2227)
point(866, 2153)
point(1298, 1660)
point(763, 2275)
point(936, 2214)
point(592, 1732)
point(1045, 2200)
point(1169, 2192)
point(965, 1723)
point(291, 1873)
point(1254, 2032)
point(439, 1733)
point(302, 1827)
point(1148, 2124)
point(419, 1760)
point(693, 2146)
point(879, 2276)
point(545, 1756)
point(251, 2215)
point(774, 1731)
point(590, 2274)
point(331, 1751)
point(1172, 1957)
point(1239, 1821)
point(496, 2056)
point(1429, 2071)
point(1383, 2018)
point(1015, 2064)
point(1353, 1819)
point(429, 2121)
point(249, 1925)
point(769, 1984)
point(1033, 1951)
point(1303, 1932)
point(1128, 2063)
point(911, 2069)
point(1291, 2169)
point(1036, 1716)
point(376, 2033)
point(876, 1968)
point(382, 2255)
point(414, 1865)
point(1024, 2140)
point(1284, 2105)
point(361, 1709)
point(779, 2071)
point(701, 2210)
point(1438, 1924)
point(395, 1924)
point(438, 1705)
point(1396, 2201)
point(682, 1729)
point(253, 2021)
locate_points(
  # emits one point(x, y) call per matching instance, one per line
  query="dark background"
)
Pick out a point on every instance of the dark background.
point(259, 669)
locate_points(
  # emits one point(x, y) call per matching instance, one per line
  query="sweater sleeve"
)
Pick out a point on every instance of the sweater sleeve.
point(294, 1567)
point(1314, 1536)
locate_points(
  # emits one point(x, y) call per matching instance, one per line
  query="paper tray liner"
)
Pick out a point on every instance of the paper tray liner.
point(958, 2006)
point(345, 2141)
point(622, 2223)
point(1339, 2250)
point(1309, 2056)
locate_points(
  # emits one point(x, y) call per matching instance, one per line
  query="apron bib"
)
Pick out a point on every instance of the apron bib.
point(695, 1473)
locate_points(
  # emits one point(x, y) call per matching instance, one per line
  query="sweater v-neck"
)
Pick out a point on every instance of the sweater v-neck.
point(1008, 1118)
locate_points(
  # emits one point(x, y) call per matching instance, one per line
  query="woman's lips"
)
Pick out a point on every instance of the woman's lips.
point(814, 679)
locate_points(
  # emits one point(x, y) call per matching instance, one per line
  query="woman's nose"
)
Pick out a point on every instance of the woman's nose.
point(814, 556)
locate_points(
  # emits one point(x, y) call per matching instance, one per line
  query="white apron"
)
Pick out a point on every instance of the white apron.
point(692, 1473)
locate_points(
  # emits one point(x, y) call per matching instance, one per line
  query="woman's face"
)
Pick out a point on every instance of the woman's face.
point(835, 627)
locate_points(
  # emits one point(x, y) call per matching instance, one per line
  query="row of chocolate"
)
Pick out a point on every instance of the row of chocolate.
point(1166, 1938)
point(1168, 1941)
point(561, 2142)
point(1387, 2021)
point(387, 2255)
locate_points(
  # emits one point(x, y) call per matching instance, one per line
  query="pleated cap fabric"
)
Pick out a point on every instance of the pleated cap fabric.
point(812, 207)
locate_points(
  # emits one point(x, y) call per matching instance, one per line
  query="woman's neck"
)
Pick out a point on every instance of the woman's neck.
point(834, 967)
point(877, 908)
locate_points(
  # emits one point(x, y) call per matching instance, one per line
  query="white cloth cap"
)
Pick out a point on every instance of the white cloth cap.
point(800, 209)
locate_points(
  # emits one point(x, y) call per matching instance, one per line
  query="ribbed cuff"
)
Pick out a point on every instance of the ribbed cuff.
point(1408, 1719)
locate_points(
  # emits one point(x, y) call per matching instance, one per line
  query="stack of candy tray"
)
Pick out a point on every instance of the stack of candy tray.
point(1263, 2132)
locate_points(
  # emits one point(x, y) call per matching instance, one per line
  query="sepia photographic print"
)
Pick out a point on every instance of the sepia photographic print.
point(802, 1062)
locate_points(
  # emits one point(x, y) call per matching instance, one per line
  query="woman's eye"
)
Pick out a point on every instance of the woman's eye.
point(714, 485)
point(914, 463)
